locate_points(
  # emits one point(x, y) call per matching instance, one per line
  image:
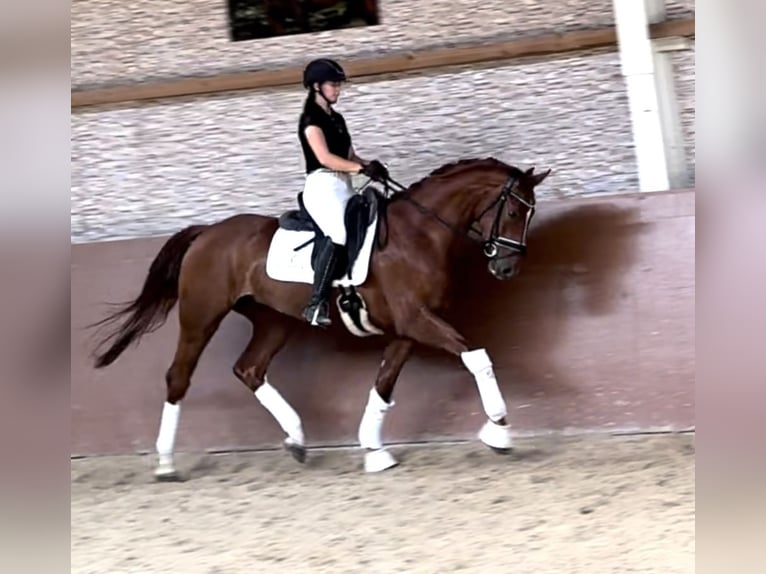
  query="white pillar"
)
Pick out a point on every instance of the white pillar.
point(655, 117)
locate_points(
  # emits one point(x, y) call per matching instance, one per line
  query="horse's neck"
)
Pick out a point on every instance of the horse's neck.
point(440, 223)
point(453, 202)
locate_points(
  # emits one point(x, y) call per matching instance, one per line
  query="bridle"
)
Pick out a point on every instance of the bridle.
point(496, 240)
point(492, 244)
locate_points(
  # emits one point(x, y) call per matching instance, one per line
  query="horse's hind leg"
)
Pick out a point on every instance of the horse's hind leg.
point(271, 330)
point(196, 331)
point(378, 458)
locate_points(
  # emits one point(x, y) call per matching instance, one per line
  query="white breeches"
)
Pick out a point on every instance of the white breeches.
point(325, 195)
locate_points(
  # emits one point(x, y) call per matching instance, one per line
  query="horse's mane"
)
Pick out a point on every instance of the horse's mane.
point(452, 168)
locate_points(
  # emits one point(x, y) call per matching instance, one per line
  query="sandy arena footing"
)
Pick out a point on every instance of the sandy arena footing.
point(591, 504)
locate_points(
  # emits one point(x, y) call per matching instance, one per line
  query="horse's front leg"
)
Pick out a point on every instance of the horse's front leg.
point(379, 401)
point(428, 329)
point(496, 432)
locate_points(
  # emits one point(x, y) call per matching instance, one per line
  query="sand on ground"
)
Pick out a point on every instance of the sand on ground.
point(590, 505)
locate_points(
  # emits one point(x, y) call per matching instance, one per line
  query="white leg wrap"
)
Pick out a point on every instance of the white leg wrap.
point(495, 435)
point(378, 460)
point(166, 438)
point(372, 421)
point(480, 365)
point(281, 410)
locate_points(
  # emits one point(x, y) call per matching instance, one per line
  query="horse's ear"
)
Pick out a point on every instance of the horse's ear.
point(540, 177)
point(529, 172)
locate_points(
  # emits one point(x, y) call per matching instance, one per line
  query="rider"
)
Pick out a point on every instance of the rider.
point(330, 160)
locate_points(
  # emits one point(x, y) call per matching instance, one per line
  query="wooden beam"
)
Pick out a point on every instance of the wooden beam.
point(423, 60)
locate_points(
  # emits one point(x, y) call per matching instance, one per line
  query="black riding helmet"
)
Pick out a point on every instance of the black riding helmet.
point(322, 70)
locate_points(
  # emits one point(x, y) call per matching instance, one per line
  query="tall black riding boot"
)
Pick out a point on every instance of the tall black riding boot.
point(318, 310)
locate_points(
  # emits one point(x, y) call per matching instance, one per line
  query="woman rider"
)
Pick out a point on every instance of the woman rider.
point(330, 160)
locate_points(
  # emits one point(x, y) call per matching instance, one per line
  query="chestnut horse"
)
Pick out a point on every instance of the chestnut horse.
point(213, 269)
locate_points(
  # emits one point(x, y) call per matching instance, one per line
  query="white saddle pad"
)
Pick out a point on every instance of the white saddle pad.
point(285, 264)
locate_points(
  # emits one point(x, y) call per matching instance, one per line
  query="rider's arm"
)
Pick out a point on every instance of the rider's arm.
point(318, 145)
point(353, 157)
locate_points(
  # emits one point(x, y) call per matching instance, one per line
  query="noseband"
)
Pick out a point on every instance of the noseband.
point(495, 241)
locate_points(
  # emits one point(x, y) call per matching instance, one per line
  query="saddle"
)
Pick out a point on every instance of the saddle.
point(298, 219)
point(361, 211)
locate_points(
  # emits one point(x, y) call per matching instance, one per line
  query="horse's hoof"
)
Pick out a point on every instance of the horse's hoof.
point(496, 437)
point(297, 450)
point(167, 476)
point(379, 460)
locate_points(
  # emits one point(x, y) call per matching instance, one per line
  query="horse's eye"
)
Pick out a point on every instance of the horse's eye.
point(514, 214)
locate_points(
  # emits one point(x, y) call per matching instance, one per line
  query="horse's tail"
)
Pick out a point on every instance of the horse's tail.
point(159, 294)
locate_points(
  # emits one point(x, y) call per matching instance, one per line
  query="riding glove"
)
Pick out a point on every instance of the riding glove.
point(376, 171)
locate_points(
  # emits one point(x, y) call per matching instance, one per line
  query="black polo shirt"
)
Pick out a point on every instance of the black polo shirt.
point(335, 132)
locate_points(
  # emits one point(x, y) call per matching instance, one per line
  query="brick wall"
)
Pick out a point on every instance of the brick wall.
point(151, 168)
point(116, 41)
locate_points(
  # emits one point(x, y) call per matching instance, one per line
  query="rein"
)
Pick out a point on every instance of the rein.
point(490, 246)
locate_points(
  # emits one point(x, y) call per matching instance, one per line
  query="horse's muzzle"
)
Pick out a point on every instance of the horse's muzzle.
point(506, 267)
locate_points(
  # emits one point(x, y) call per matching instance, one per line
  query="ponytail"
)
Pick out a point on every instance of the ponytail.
point(310, 102)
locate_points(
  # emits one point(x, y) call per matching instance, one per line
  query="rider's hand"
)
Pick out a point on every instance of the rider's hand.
point(375, 171)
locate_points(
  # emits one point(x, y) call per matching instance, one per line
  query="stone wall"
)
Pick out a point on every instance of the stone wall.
point(118, 42)
point(679, 8)
point(149, 169)
point(683, 64)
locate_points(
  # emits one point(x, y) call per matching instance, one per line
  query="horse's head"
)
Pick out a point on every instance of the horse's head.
point(485, 199)
point(504, 220)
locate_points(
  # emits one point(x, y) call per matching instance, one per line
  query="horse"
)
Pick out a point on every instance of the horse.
point(396, 287)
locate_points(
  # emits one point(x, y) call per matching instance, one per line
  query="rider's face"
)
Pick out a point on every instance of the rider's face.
point(331, 91)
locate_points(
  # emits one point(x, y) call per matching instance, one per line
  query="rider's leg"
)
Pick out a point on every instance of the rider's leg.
point(317, 312)
point(325, 196)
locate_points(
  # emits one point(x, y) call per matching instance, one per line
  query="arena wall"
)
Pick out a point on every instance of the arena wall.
point(596, 335)
point(117, 42)
point(144, 169)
